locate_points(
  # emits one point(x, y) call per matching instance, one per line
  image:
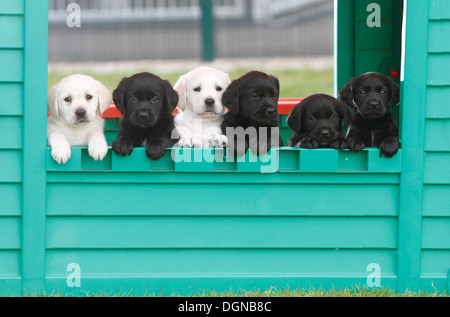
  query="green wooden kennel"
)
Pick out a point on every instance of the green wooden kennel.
point(303, 218)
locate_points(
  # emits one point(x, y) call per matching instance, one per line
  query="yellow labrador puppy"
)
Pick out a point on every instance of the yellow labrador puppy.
point(200, 101)
point(75, 104)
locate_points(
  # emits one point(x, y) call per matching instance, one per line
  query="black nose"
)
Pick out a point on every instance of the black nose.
point(80, 112)
point(271, 110)
point(143, 115)
point(209, 102)
point(325, 132)
point(374, 104)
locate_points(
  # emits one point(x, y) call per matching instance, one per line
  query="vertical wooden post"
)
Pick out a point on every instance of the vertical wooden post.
point(207, 28)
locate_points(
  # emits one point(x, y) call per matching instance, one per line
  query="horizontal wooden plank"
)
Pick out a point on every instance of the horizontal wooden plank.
point(220, 232)
point(435, 262)
point(11, 198)
point(12, 7)
point(438, 30)
point(436, 108)
point(437, 70)
point(437, 135)
point(221, 199)
point(437, 168)
point(11, 67)
point(12, 140)
point(436, 200)
point(210, 261)
point(10, 233)
point(439, 10)
point(11, 31)
point(10, 166)
point(436, 233)
point(9, 264)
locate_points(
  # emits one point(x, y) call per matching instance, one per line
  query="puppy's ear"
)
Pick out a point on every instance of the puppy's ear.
point(230, 97)
point(276, 82)
point(395, 93)
point(52, 101)
point(119, 96)
point(104, 97)
point(294, 119)
point(344, 111)
point(171, 96)
point(180, 87)
point(346, 94)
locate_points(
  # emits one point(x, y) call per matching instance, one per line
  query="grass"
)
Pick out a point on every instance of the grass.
point(295, 82)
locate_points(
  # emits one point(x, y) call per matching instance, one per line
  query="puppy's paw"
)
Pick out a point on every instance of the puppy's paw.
point(122, 148)
point(155, 152)
point(307, 143)
point(188, 142)
point(218, 140)
point(98, 150)
point(389, 147)
point(61, 154)
point(339, 144)
point(355, 145)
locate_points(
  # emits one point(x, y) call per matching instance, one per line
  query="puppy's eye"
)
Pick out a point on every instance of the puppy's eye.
point(218, 88)
point(88, 97)
point(68, 99)
point(332, 116)
point(155, 99)
point(275, 95)
point(133, 98)
point(383, 91)
point(197, 89)
point(255, 96)
point(312, 118)
point(362, 91)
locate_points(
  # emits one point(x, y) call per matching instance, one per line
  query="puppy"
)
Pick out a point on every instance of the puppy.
point(317, 123)
point(200, 100)
point(75, 104)
point(146, 103)
point(372, 96)
point(252, 121)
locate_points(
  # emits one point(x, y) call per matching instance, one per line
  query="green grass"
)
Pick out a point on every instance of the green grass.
point(295, 83)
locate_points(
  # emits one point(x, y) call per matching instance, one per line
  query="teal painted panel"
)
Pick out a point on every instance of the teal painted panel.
point(13, 139)
point(437, 135)
point(216, 198)
point(221, 232)
point(13, 105)
point(11, 166)
point(436, 233)
point(371, 61)
point(437, 168)
point(438, 30)
point(436, 107)
point(435, 262)
point(437, 69)
point(224, 261)
point(12, 7)
point(436, 200)
point(11, 31)
point(10, 233)
point(439, 10)
point(9, 263)
point(11, 195)
point(11, 67)
point(374, 38)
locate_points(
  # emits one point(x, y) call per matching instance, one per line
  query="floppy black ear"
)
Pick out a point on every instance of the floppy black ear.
point(345, 112)
point(295, 117)
point(395, 93)
point(276, 82)
point(119, 96)
point(230, 97)
point(171, 96)
point(346, 94)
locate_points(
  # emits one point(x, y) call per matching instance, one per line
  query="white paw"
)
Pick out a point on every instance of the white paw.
point(61, 154)
point(98, 150)
point(189, 142)
point(218, 140)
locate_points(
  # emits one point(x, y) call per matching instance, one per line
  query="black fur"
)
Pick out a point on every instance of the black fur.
point(372, 96)
point(317, 123)
point(146, 103)
point(253, 103)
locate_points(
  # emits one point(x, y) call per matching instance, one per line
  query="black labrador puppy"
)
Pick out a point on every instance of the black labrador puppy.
point(146, 103)
point(252, 121)
point(372, 96)
point(317, 123)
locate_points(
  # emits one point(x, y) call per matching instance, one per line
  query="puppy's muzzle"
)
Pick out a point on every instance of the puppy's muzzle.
point(209, 102)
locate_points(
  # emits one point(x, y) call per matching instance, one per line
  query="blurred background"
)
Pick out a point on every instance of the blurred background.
point(292, 39)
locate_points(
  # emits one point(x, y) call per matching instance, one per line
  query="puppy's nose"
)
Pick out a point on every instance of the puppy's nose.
point(271, 110)
point(325, 132)
point(143, 115)
point(209, 102)
point(374, 104)
point(80, 112)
